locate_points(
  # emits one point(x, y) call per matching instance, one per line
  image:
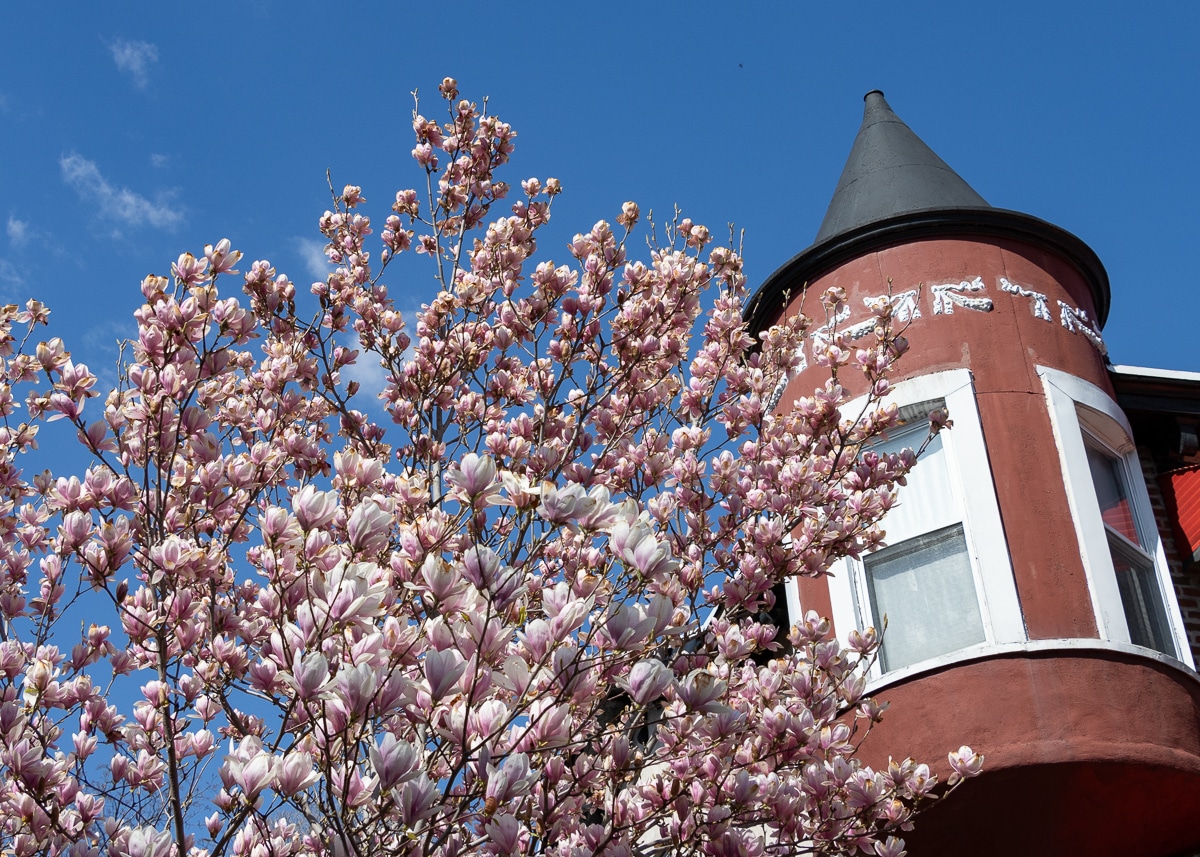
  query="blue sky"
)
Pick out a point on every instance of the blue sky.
point(130, 133)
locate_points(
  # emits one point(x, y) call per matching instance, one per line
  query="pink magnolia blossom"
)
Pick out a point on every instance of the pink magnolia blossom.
point(647, 681)
point(966, 763)
point(475, 478)
point(314, 509)
point(510, 780)
point(442, 670)
point(295, 773)
point(368, 527)
point(147, 842)
point(309, 674)
point(221, 258)
point(525, 612)
point(637, 545)
point(395, 761)
point(701, 690)
point(189, 270)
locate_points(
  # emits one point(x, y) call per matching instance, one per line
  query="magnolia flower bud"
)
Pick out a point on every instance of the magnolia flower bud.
point(966, 762)
point(475, 478)
point(629, 215)
point(314, 509)
point(442, 670)
point(647, 681)
point(368, 528)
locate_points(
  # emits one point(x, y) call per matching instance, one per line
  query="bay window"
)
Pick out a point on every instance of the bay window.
point(944, 582)
point(1132, 595)
point(1133, 565)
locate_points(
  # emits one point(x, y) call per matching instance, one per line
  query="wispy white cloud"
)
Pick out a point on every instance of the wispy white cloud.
point(117, 203)
point(19, 232)
point(107, 334)
point(12, 283)
point(159, 161)
point(312, 253)
point(134, 59)
point(9, 275)
point(101, 347)
point(22, 234)
point(370, 375)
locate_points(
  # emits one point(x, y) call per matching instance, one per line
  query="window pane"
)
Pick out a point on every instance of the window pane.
point(1141, 598)
point(1108, 476)
point(927, 502)
point(927, 591)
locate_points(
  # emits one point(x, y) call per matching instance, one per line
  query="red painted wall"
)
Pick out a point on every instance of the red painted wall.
point(1002, 348)
point(1087, 752)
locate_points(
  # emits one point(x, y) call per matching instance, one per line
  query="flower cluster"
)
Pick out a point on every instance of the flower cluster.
point(528, 612)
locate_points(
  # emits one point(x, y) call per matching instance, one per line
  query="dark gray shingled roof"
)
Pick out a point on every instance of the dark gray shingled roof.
point(895, 190)
point(891, 171)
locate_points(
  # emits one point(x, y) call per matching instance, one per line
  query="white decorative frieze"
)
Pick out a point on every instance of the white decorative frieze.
point(785, 379)
point(904, 304)
point(1039, 306)
point(777, 393)
point(966, 294)
point(802, 360)
point(824, 333)
point(947, 296)
point(1075, 319)
point(860, 329)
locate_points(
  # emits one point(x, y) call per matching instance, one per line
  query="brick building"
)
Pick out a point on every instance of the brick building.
point(1040, 581)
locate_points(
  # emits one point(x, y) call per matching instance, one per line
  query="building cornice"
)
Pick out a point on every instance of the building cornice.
point(793, 277)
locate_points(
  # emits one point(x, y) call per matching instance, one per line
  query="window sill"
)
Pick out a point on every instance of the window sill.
point(1032, 647)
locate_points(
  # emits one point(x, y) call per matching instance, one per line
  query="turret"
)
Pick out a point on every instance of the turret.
point(1030, 608)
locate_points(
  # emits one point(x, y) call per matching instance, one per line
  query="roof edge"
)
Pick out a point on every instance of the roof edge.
point(1147, 372)
point(824, 256)
point(1162, 391)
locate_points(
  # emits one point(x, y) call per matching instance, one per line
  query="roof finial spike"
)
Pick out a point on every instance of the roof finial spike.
point(891, 171)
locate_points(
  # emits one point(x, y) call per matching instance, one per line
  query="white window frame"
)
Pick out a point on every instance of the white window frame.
point(865, 605)
point(1078, 407)
point(970, 476)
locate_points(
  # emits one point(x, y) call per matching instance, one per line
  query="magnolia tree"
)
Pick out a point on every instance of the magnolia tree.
point(526, 610)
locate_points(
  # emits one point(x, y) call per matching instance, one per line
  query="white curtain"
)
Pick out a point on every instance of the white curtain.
point(926, 589)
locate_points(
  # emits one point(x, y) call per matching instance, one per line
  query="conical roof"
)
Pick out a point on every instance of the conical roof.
point(894, 190)
point(891, 171)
